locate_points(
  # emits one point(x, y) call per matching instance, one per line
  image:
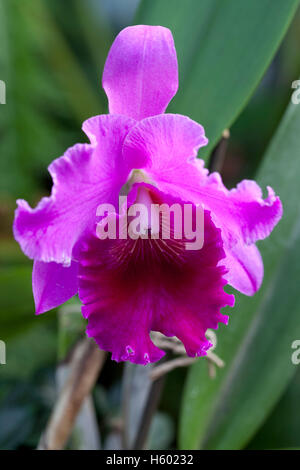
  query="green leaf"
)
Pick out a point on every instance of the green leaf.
point(84, 100)
point(224, 48)
point(256, 346)
point(27, 133)
point(46, 87)
point(35, 348)
point(16, 308)
point(281, 430)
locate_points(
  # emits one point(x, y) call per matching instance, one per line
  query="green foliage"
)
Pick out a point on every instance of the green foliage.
point(256, 346)
point(45, 84)
point(27, 131)
point(49, 94)
point(51, 58)
point(16, 300)
point(223, 50)
point(36, 347)
point(281, 430)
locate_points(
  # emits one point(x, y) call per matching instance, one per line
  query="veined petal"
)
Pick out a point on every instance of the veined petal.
point(245, 267)
point(244, 217)
point(107, 134)
point(53, 284)
point(167, 146)
point(83, 178)
point(130, 287)
point(163, 146)
point(141, 73)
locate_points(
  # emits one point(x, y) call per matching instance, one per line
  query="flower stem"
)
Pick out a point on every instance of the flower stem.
point(86, 363)
point(149, 410)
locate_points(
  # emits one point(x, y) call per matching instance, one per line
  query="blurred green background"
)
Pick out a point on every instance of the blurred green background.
point(237, 61)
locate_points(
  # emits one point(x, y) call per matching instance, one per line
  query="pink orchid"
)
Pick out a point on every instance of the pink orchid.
point(132, 287)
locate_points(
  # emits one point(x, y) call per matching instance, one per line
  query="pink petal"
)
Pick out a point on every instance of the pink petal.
point(167, 146)
point(245, 267)
point(244, 217)
point(141, 73)
point(53, 284)
point(164, 145)
point(129, 288)
point(247, 212)
point(83, 178)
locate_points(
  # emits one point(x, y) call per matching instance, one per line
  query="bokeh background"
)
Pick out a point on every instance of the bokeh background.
point(52, 54)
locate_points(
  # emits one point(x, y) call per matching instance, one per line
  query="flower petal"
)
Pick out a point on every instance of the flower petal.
point(83, 178)
point(53, 284)
point(130, 287)
point(245, 267)
point(196, 305)
point(243, 209)
point(141, 73)
point(167, 147)
point(244, 217)
point(164, 145)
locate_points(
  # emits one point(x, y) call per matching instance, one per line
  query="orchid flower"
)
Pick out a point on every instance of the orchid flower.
point(130, 287)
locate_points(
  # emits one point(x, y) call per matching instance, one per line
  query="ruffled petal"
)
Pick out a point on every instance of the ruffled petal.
point(164, 146)
point(167, 145)
point(130, 287)
point(242, 211)
point(195, 304)
point(53, 284)
point(244, 217)
point(83, 178)
point(141, 73)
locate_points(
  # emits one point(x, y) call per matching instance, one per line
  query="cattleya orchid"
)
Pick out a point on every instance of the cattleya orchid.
point(130, 287)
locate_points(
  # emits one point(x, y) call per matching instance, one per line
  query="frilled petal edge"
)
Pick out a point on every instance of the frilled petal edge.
point(167, 147)
point(82, 179)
